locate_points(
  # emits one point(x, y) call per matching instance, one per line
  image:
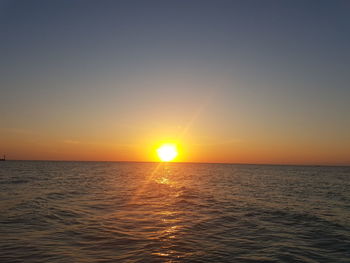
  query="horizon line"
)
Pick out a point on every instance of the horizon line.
point(227, 163)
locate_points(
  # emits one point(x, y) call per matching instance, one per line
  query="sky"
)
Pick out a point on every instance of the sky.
point(227, 81)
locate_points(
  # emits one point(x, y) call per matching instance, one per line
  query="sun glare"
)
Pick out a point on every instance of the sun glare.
point(167, 152)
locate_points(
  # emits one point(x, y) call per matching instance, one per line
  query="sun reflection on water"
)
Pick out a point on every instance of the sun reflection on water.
point(168, 216)
point(163, 180)
point(159, 219)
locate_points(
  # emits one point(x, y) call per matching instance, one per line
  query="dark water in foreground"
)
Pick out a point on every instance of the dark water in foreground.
point(134, 212)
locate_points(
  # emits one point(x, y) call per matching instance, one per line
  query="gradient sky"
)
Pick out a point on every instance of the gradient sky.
point(229, 81)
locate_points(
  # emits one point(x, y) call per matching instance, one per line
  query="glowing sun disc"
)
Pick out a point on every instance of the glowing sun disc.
point(167, 152)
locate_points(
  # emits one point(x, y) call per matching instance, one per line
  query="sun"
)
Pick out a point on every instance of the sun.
point(167, 152)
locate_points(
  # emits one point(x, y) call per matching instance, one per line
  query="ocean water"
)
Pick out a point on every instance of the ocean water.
point(147, 212)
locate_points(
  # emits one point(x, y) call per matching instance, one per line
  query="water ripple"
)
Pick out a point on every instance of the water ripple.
point(139, 212)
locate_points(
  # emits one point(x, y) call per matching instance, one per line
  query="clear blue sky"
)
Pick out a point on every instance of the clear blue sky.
point(237, 81)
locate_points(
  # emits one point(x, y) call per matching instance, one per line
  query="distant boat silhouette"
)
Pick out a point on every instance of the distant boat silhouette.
point(3, 159)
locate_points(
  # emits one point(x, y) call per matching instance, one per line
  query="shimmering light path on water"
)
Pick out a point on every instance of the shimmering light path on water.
point(147, 212)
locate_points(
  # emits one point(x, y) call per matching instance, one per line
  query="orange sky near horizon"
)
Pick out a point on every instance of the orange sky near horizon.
point(22, 146)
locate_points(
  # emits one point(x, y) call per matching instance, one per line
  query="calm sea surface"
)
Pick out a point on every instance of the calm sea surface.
point(146, 212)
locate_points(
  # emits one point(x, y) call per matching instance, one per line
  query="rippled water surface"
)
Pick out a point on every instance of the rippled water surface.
point(146, 212)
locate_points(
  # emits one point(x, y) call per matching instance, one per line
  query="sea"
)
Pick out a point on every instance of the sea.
point(53, 211)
